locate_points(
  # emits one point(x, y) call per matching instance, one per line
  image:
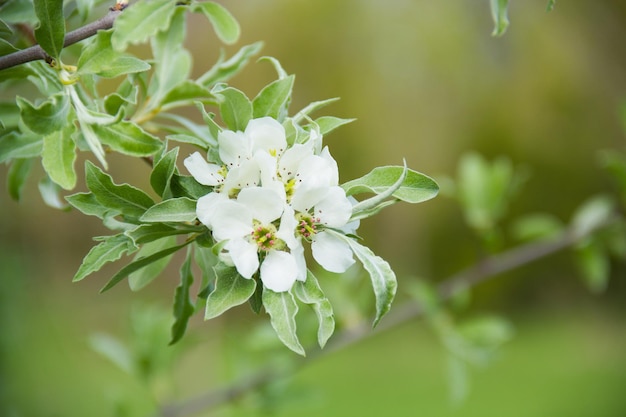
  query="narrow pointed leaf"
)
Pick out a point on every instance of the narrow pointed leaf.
point(58, 157)
point(183, 306)
point(128, 138)
point(145, 275)
point(329, 123)
point(110, 249)
point(48, 117)
point(282, 309)
point(224, 70)
point(99, 58)
point(128, 200)
point(140, 263)
point(140, 21)
point(150, 232)
point(231, 289)
point(273, 99)
point(382, 276)
point(499, 13)
point(224, 24)
point(309, 292)
point(50, 33)
point(415, 188)
point(17, 145)
point(17, 175)
point(180, 209)
point(235, 107)
point(87, 204)
point(162, 172)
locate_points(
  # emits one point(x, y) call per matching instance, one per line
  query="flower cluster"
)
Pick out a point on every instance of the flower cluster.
point(269, 198)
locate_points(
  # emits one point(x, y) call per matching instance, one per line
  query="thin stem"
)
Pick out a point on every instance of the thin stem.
point(35, 52)
point(487, 269)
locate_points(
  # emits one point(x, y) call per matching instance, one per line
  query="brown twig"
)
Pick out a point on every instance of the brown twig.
point(35, 52)
point(483, 271)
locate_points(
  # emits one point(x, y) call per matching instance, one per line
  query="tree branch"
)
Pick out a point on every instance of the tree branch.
point(481, 272)
point(35, 52)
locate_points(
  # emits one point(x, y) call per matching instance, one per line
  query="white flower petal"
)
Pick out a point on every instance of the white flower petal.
point(231, 220)
point(243, 176)
point(335, 209)
point(286, 231)
point(265, 204)
point(205, 207)
point(307, 195)
point(244, 256)
point(235, 147)
point(266, 134)
point(279, 271)
point(291, 160)
point(298, 254)
point(331, 253)
point(201, 170)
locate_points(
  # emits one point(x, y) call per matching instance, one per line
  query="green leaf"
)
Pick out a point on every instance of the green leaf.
point(87, 204)
point(382, 276)
point(231, 289)
point(592, 214)
point(18, 11)
point(180, 209)
point(9, 114)
point(235, 107)
point(58, 157)
point(141, 21)
point(309, 292)
point(50, 34)
point(128, 138)
point(112, 349)
point(415, 188)
point(149, 232)
point(51, 194)
point(550, 5)
point(595, 265)
point(124, 198)
point(162, 172)
point(224, 70)
point(316, 105)
point(185, 93)
point(17, 175)
point(48, 117)
point(140, 263)
point(173, 62)
point(183, 306)
point(538, 226)
point(145, 275)
point(273, 99)
point(282, 309)
point(109, 250)
point(329, 123)
point(99, 58)
point(224, 24)
point(187, 186)
point(499, 13)
point(17, 145)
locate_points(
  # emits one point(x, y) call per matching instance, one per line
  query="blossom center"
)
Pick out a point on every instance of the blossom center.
point(307, 225)
point(265, 237)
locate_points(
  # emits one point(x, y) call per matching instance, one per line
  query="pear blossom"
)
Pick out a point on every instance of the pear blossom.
point(270, 198)
point(253, 240)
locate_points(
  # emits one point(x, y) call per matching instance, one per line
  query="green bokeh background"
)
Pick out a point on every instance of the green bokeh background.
point(428, 83)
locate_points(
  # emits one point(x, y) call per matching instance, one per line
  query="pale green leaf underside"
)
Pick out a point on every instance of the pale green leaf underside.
point(231, 289)
point(415, 188)
point(310, 292)
point(282, 309)
point(383, 278)
point(181, 209)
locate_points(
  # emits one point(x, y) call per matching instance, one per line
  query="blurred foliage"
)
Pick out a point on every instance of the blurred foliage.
point(427, 81)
